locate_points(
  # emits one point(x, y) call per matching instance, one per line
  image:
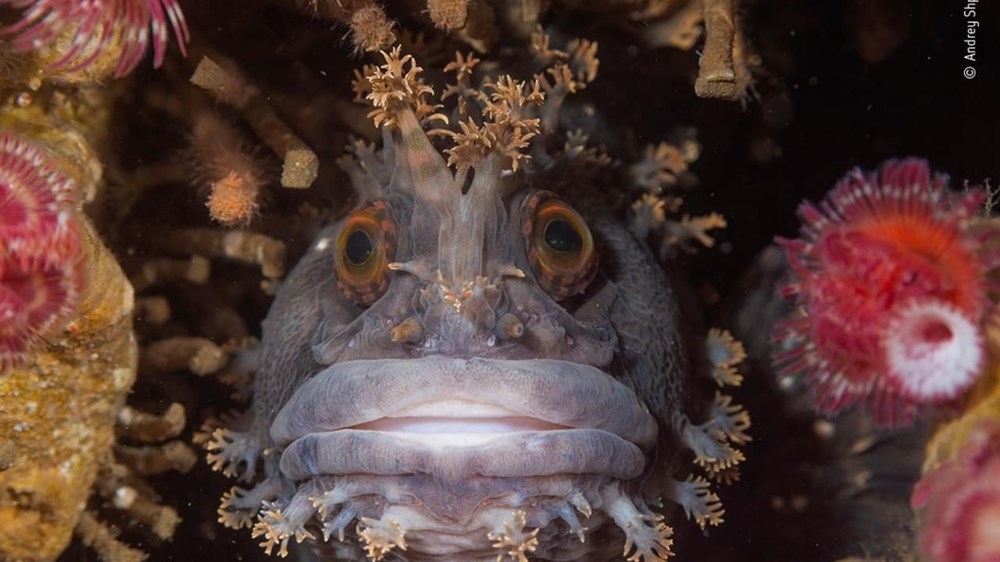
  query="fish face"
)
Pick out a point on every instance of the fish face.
point(447, 411)
point(471, 366)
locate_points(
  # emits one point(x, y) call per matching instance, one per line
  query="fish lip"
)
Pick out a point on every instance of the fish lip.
point(573, 395)
point(556, 454)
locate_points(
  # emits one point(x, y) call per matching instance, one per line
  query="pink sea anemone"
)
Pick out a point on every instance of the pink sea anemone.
point(99, 24)
point(960, 502)
point(35, 222)
point(40, 253)
point(889, 275)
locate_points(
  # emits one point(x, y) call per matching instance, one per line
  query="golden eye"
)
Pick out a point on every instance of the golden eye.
point(560, 247)
point(365, 246)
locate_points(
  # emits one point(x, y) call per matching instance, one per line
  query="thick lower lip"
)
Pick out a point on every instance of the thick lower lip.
point(459, 456)
point(464, 417)
point(445, 395)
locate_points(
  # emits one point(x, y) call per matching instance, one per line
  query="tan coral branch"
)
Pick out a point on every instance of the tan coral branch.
point(96, 535)
point(248, 247)
point(149, 428)
point(717, 77)
point(195, 269)
point(228, 85)
point(147, 460)
point(198, 355)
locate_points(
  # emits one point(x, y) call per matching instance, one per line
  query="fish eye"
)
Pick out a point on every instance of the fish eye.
point(561, 236)
point(365, 247)
point(560, 246)
point(359, 247)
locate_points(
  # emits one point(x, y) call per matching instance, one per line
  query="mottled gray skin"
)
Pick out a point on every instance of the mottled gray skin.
point(627, 324)
point(605, 383)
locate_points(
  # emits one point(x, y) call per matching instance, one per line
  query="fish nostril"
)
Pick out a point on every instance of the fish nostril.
point(408, 331)
point(509, 327)
point(603, 334)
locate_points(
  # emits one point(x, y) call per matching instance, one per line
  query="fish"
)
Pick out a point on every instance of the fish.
point(481, 360)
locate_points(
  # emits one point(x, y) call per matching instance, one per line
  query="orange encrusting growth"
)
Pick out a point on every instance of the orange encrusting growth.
point(880, 255)
point(233, 199)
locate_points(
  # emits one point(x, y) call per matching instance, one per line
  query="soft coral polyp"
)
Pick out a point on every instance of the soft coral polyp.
point(881, 254)
point(40, 254)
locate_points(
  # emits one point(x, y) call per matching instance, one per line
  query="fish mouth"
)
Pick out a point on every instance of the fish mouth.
point(465, 418)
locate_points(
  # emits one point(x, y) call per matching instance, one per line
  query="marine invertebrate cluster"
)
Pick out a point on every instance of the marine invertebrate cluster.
point(81, 33)
point(890, 277)
point(41, 265)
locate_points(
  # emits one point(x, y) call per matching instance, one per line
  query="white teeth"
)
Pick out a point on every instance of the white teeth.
point(487, 425)
point(453, 408)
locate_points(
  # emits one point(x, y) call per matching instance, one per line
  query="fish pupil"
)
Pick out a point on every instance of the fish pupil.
point(562, 237)
point(358, 247)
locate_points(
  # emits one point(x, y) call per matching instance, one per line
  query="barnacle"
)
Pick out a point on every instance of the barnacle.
point(232, 453)
point(698, 501)
point(725, 353)
point(682, 233)
point(661, 165)
point(278, 522)
point(381, 536)
point(514, 542)
point(647, 538)
point(233, 200)
point(731, 420)
point(371, 29)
